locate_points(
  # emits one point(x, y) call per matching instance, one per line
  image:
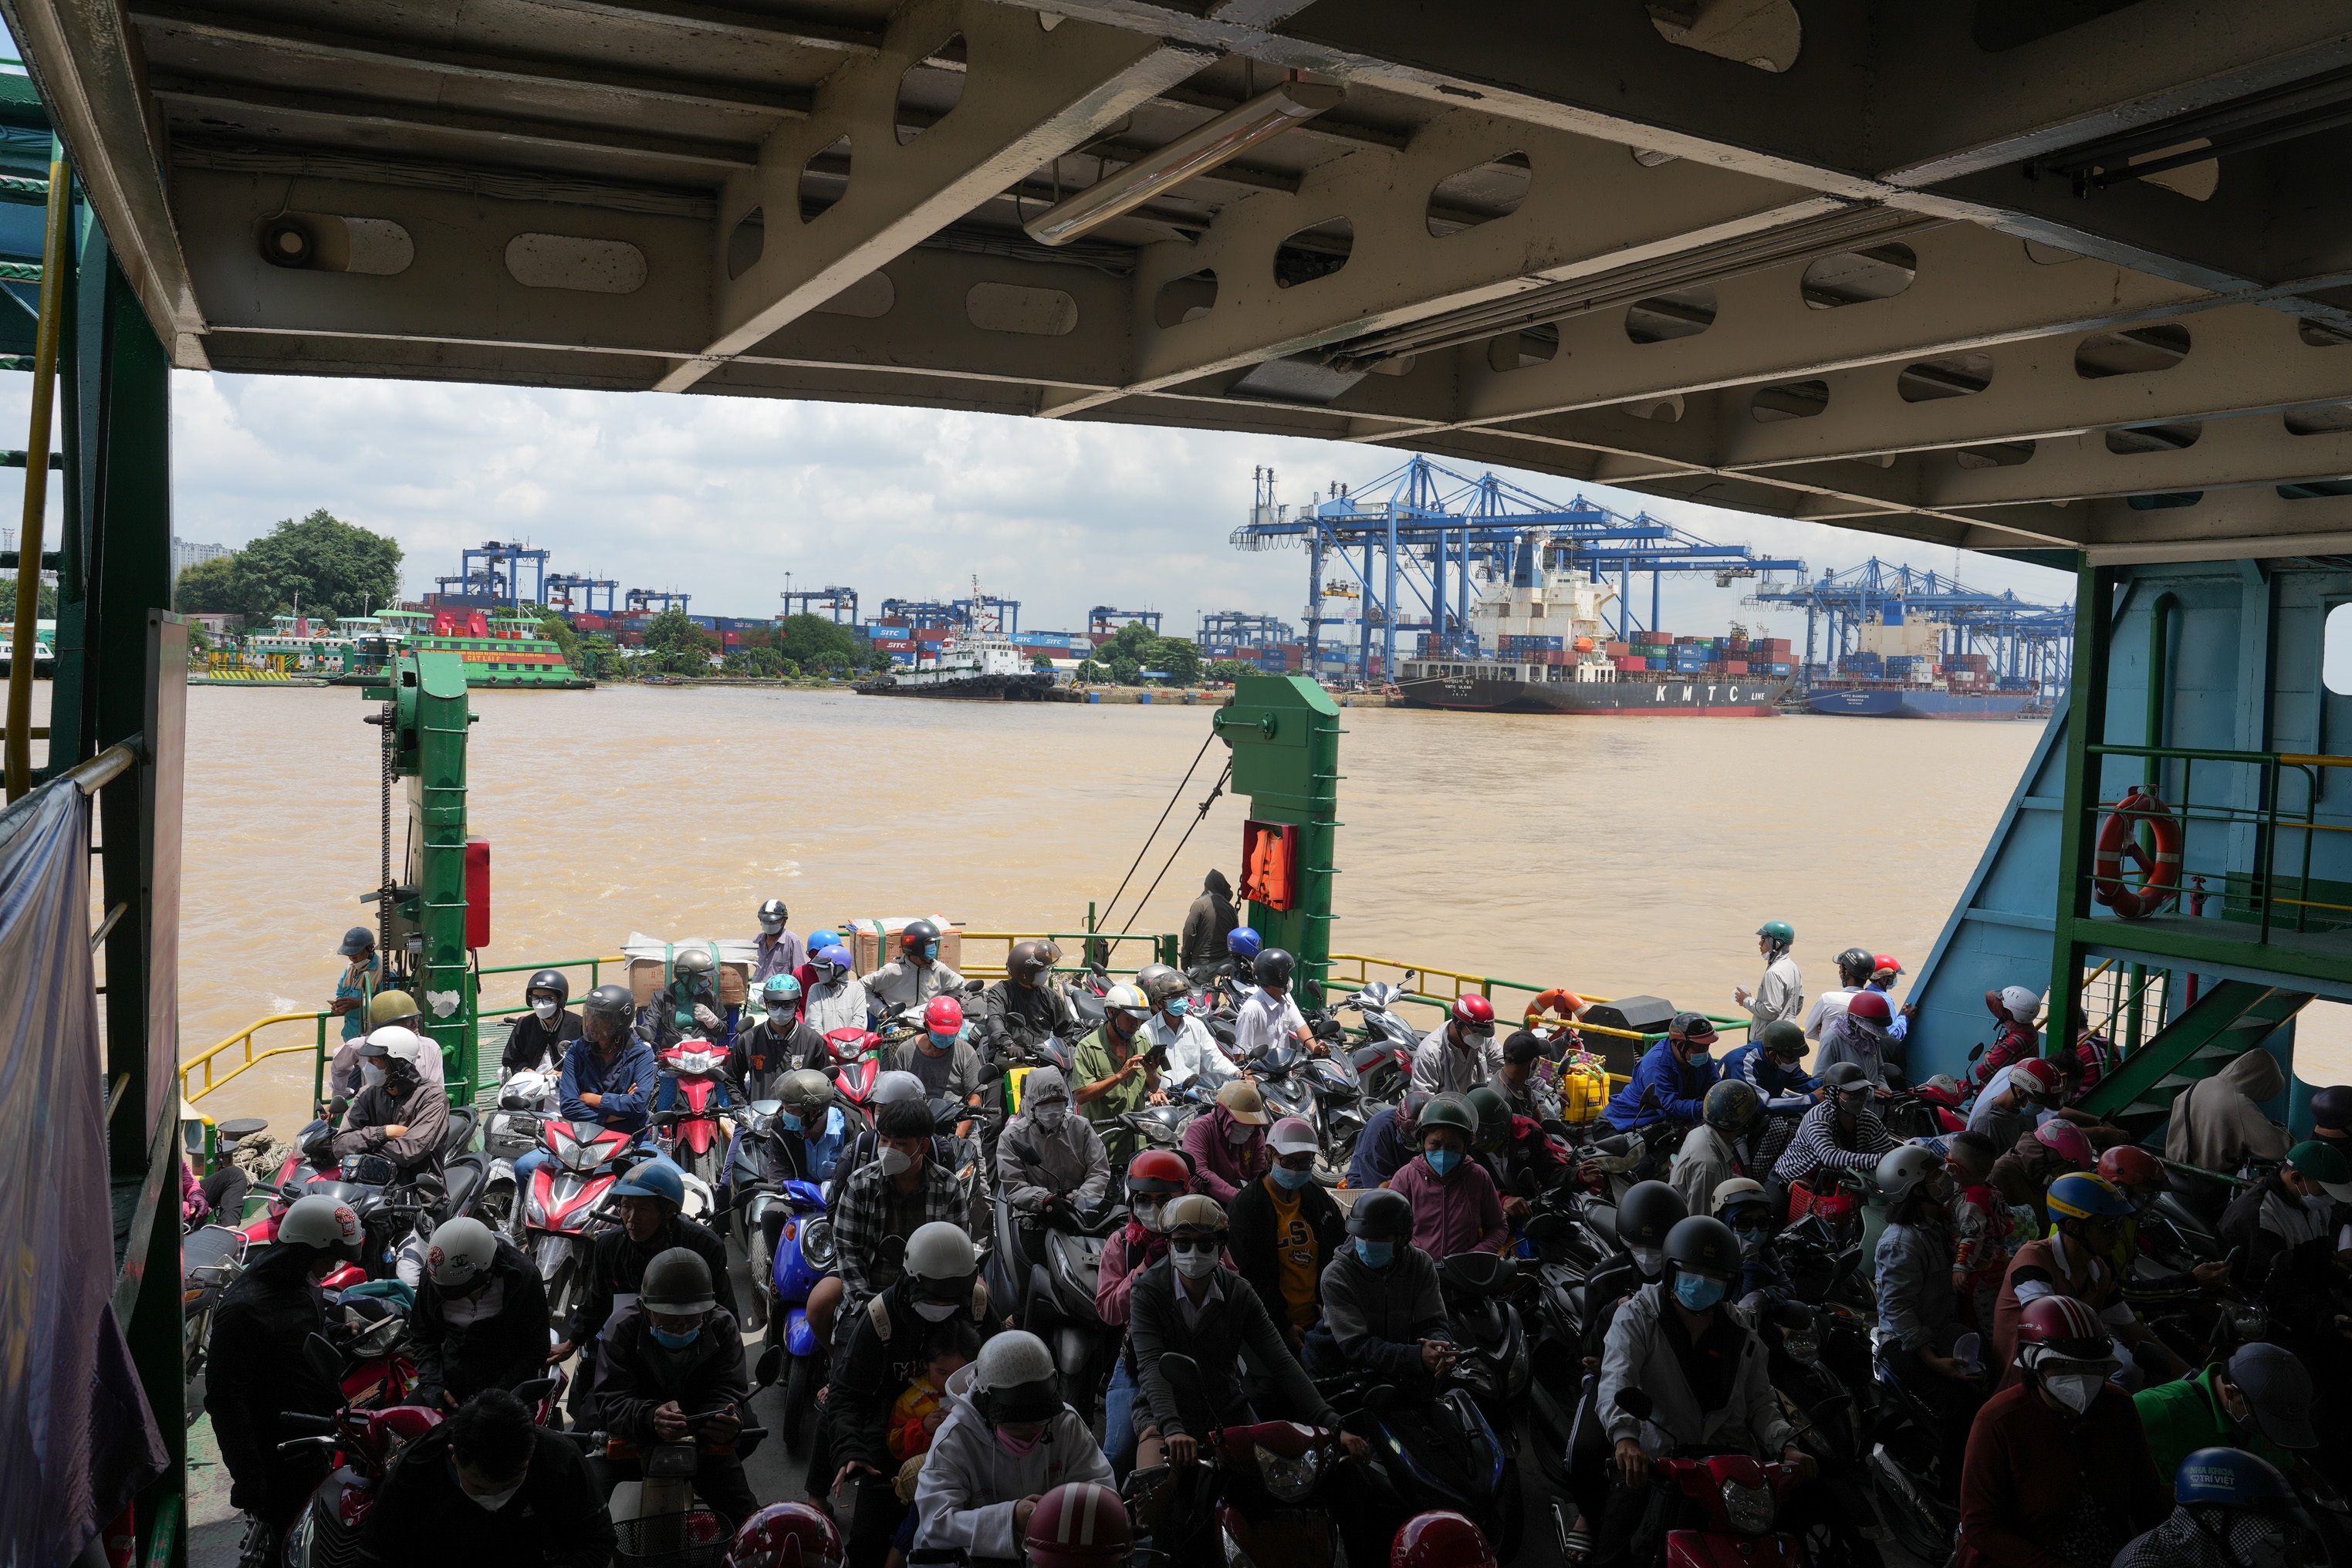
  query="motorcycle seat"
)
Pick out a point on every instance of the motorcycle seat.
point(1480, 1273)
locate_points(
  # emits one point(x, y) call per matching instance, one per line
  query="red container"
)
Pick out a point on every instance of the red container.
point(1634, 661)
point(1735, 667)
point(478, 892)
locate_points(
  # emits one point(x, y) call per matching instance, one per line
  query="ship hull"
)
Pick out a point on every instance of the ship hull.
point(1035, 688)
point(1894, 702)
point(1720, 698)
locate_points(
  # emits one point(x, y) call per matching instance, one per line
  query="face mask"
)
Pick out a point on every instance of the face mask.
point(1051, 1115)
point(1147, 1214)
point(1696, 1291)
point(2074, 1390)
point(779, 1018)
point(897, 1162)
point(941, 1044)
point(545, 1008)
point(1294, 1180)
point(1178, 1005)
point(1442, 1160)
point(2319, 1202)
point(1375, 1254)
point(935, 1312)
point(1198, 1264)
point(676, 1339)
point(931, 951)
point(792, 1122)
point(370, 1075)
point(1238, 1134)
point(1018, 1447)
point(1753, 1235)
point(495, 1501)
point(1650, 1260)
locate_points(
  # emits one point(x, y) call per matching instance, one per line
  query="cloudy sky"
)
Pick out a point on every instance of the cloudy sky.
point(721, 498)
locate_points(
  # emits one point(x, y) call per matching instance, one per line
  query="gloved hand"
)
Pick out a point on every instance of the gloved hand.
point(705, 1016)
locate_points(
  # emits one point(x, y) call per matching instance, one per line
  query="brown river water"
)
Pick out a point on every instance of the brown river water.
point(1610, 855)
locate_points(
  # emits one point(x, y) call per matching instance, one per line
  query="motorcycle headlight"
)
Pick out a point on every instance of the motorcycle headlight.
point(1289, 1480)
point(533, 1211)
point(816, 1243)
point(1803, 1345)
point(1749, 1509)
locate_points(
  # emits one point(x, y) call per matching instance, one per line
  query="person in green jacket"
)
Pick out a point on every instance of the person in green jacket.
point(2261, 1402)
point(1112, 1074)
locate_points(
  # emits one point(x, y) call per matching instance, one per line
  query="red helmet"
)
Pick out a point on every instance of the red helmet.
point(2062, 1326)
point(943, 1015)
point(1880, 962)
point(2129, 1167)
point(1474, 1012)
point(2067, 1140)
point(2044, 1074)
point(1870, 1005)
point(1158, 1170)
point(1080, 1524)
point(786, 1536)
point(1440, 1540)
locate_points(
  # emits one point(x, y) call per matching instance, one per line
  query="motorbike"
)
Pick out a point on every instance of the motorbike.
point(526, 1100)
point(1443, 1454)
point(1288, 1088)
point(1383, 1062)
point(1260, 1495)
point(803, 1256)
point(561, 1212)
point(696, 1134)
point(1495, 1365)
point(1929, 1110)
point(858, 1064)
point(1918, 1501)
point(1041, 1270)
point(211, 1258)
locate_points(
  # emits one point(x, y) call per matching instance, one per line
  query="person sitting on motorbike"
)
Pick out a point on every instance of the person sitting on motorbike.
point(1242, 946)
point(2139, 1176)
point(1156, 1178)
point(1113, 1068)
point(538, 1505)
point(648, 1199)
point(1026, 1008)
point(1918, 1312)
point(808, 973)
point(832, 997)
point(776, 951)
point(2283, 1231)
point(688, 1005)
point(947, 1066)
point(1520, 1155)
point(1460, 1054)
point(541, 1038)
point(806, 1135)
point(672, 1372)
point(1383, 1314)
point(398, 1117)
point(1455, 1205)
point(1386, 1142)
point(904, 1189)
point(1673, 1078)
point(609, 1075)
point(914, 974)
point(1840, 1133)
point(1227, 1142)
point(1051, 1164)
point(1721, 1146)
point(2259, 1401)
point(480, 1318)
point(2022, 1175)
point(1646, 1215)
point(1528, 1093)
point(1008, 1440)
point(939, 1298)
point(1269, 1015)
point(1284, 1228)
point(1983, 1228)
point(1857, 1033)
point(1701, 1373)
point(1195, 1060)
point(779, 1043)
point(2014, 1038)
point(2234, 1509)
point(2057, 1473)
point(2077, 1261)
point(253, 1375)
point(1741, 1203)
point(865, 1146)
point(1220, 1317)
point(1772, 1065)
point(2016, 1101)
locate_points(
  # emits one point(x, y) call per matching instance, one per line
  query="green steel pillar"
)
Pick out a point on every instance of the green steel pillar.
point(2086, 726)
point(432, 719)
point(1284, 730)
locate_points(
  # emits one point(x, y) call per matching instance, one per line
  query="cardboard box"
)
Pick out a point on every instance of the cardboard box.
point(646, 978)
point(867, 937)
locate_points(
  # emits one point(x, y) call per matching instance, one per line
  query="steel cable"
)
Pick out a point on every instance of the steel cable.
point(1199, 816)
point(1104, 919)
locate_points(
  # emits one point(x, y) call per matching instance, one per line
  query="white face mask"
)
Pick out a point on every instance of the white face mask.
point(897, 1162)
point(935, 1312)
point(1197, 1265)
point(779, 1018)
point(1650, 1260)
point(1051, 1115)
point(544, 1008)
point(2319, 1202)
point(495, 1501)
point(370, 1075)
point(1239, 1133)
point(2074, 1390)
point(1147, 1212)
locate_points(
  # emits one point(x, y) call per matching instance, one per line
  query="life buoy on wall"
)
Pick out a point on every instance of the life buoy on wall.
point(1564, 1003)
point(2119, 838)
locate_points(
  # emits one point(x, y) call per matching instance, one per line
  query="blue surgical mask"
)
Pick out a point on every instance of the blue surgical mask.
point(1700, 1059)
point(792, 1122)
point(1294, 1180)
point(1178, 1005)
point(1442, 1160)
point(931, 951)
point(1696, 1291)
point(941, 1044)
point(1375, 1254)
point(676, 1339)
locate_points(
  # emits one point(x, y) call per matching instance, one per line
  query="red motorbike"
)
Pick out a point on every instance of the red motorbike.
point(561, 1210)
point(1735, 1501)
point(1262, 1495)
point(856, 1054)
point(694, 1068)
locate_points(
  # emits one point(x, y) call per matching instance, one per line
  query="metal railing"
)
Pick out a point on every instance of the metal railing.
point(1462, 983)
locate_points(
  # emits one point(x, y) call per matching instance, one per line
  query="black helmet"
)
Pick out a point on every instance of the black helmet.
point(1704, 1245)
point(1845, 1078)
point(1855, 966)
point(549, 980)
point(695, 963)
point(772, 916)
point(919, 935)
point(615, 1004)
point(1028, 961)
point(1275, 966)
point(1493, 1114)
point(1782, 1037)
point(1381, 1215)
point(679, 1281)
point(1648, 1212)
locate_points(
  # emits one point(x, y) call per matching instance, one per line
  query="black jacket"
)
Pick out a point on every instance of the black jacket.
point(2298, 1290)
point(530, 1042)
point(1207, 923)
point(496, 1351)
point(422, 1516)
point(1012, 1011)
point(616, 1265)
point(1156, 1327)
point(882, 1361)
point(258, 1370)
point(759, 1060)
point(1258, 1251)
point(634, 1376)
point(1605, 1288)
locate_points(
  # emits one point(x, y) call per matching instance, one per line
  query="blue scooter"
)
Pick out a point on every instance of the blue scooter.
point(804, 1257)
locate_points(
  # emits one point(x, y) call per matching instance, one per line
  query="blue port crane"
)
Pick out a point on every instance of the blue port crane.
point(832, 597)
point(1429, 529)
point(640, 600)
point(1228, 633)
point(561, 584)
point(1005, 613)
point(1102, 621)
point(494, 572)
point(2026, 641)
point(920, 614)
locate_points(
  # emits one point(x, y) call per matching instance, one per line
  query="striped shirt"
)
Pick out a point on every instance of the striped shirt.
point(1821, 1142)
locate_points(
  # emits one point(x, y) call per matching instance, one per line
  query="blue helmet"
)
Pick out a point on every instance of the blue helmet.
point(2078, 1195)
point(657, 1178)
point(836, 954)
point(820, 940)
point(779, 988)
point(1243, 942)
point(2230, 1477)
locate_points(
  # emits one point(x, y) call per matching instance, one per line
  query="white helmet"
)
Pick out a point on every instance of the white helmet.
point(940, 1250)
point(319, 1221)
point(893, 1086)
point(2022, 1004)
point(400, 1044)
point(461, 1252)
point(1015, 1379)
point(1127, 999)
point(1901, 1169)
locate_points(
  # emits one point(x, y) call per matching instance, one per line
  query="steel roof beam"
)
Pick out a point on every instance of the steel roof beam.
point(719, 21)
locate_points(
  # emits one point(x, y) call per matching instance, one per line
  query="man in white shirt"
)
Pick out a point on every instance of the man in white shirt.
point(1782, 993)
point(1268, 1015)
point(1460, 1054)
point(1193, 1055)
point(1854, 973)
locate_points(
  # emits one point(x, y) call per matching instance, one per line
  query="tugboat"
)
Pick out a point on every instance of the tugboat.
point(977, 662)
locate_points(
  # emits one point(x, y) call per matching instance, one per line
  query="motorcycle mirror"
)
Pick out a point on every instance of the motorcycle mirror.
point(1650, 1098)
point(319, 1353)
point(1184, 1375)
point(537, 1389)
point(1380, 1396)
point(771, 1361)
point(1978, 1054)
point(1634, 1402)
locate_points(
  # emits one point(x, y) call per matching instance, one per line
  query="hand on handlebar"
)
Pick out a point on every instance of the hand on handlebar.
point(669, 1422)
point(1183, 1451)
point(1437, 1355)
point(1357, 1449)
point(1807, 1466)
point(1633, 1464)
point(720, 1426)
point(562, 1349)
point(1023, 1509)
point(2213, 1273)
point(849, 1469)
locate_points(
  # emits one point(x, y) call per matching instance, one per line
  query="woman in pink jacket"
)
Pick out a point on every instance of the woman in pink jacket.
point(1455, 1205)
point(1228, 1145)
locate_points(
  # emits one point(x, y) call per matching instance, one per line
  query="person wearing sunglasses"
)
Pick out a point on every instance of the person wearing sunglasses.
point(1286, 1229)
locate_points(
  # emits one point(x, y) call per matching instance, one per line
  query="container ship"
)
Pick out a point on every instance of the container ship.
point(1900, 671)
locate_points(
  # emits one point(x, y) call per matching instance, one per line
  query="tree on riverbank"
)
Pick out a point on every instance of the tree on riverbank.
point(319, 566)
point(677, 645)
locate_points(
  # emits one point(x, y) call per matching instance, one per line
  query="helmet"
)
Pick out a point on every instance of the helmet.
point(1884, 963)
point(2022, 1003)
point(1493, 1114)
point(917, 938)
point(941, 1251)
point(1854, 965)
point(1903, 1169)
point(1439, 1540)
point(1731, 1104)
point(2332, 1107)
point(2040, 1076)
point(357, 943)
point(1448, 1110)
point(1157, 982)
point(2060, 1326)
point(2067, 1140)
point(1382, 1215)
point(806, 1091)
point(1275, 967)
point(1779, 933)
point(1410, 1108)
point(1647, 1212)
point(549, 980)
point(1870, 1005)
point(2231, 1477)
point(614, 1003)
point(772, 916)
point(1195, 1211)
point(460, 1250)
point(1015, 1379)
point(1846, 1078)
point(780, 991)
point(786, 1536)
point(1078, 1524)
point(1782, 1037)
point(835, 956)
point(395, 1043)
point(1474, 1014)
point(820, 940)
point(1158, 1170)
point(1243, 1103)
point(943, 1015)
point(678, 1281)
point(322, 1221)
point(1026, 962)
point(391, 1008)
point(2323, 1163)
point(2078, 1195)
point(1738, 1193)
point(653, 1179)
point(895, 1086)
point(1704, 1245)
point(1697, 1029)
point(694, 964)
point(1242, 942)
point(1127, 999)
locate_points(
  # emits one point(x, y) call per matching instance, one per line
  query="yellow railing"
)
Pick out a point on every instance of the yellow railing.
point(214, 1078)
point(1428, 995)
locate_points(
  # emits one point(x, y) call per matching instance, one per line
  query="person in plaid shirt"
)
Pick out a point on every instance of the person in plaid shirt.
point(898, 1193)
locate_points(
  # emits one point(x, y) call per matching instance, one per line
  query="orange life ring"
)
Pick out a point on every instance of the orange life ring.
point(1562, 1002)
point(2119, 838)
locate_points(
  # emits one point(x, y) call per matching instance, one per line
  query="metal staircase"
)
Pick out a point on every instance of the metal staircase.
point(2234, 1017)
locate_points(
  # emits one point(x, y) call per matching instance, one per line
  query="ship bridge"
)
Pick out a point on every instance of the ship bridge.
point(1967, 273)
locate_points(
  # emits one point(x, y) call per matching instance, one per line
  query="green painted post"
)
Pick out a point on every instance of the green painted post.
point(436, 794)
point(2086, 725)
point(1284, 730)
